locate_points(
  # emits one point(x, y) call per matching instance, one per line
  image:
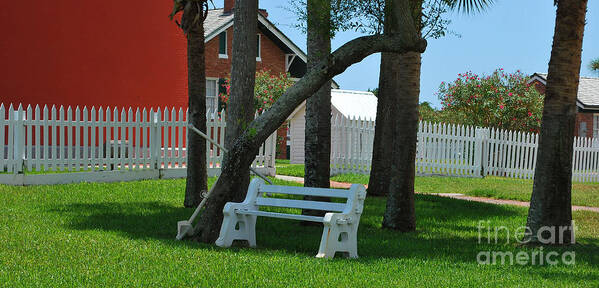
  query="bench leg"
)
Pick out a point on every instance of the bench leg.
point(237, 227)
point(338, 238)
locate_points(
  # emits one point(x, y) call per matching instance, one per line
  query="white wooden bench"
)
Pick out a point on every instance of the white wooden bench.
point(340, 222)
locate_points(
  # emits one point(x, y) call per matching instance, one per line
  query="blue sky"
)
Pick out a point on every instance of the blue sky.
point(506, 36)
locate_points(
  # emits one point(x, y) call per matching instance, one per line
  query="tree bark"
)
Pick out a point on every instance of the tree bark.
point(402, 77)
point(240, 109)
point(317, 148)
point(550, 204)
point(378, 182)
point(400, 211)
point(196, 79)
point(245, 147)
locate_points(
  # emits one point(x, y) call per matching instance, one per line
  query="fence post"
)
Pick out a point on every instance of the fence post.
point(481, 152)
point(19, 141)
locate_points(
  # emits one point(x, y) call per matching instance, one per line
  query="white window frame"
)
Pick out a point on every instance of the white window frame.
point(259, 58)
point(223, 56)
point(215, 101)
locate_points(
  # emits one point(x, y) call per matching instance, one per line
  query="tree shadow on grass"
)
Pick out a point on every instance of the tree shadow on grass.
point(137, 220)
point(447, 228)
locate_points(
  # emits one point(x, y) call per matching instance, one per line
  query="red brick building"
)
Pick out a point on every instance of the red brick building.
point(587, 104)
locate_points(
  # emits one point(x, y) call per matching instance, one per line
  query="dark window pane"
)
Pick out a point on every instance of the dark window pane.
point(222, 38)
point(258, 43)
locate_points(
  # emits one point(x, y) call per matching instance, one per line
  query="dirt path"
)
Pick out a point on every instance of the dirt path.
point(343, 185)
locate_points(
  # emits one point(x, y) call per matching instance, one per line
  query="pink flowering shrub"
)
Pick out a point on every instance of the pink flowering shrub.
point(269, 87)
point(501, 100)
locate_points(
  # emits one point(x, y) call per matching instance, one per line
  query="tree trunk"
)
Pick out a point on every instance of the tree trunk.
point(196, 145)
point(378, 182)
point(550, 204)
point(317, 147)
point(235, 174)
point(240, 109)
point(245, 147)
point(400, 211)
point(403, 74)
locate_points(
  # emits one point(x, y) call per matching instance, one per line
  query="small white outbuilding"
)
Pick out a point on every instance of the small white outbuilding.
point(346, 104)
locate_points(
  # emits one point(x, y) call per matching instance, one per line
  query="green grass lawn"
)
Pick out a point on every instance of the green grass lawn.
point(583, 194)
point(122, 234)
point(284, 168)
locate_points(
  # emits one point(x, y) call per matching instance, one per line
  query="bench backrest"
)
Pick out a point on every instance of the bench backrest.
point(353, 198)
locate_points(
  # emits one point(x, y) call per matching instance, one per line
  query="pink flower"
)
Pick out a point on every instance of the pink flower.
point(501, 106)
point(529, 114)
point(509, 94)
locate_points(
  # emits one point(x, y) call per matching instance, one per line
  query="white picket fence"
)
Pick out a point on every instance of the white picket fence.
point(105, 144)
point(457, 150)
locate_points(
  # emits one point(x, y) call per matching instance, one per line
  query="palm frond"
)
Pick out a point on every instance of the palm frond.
point(470, 6)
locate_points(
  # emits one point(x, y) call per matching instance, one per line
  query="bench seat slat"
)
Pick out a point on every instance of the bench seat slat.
point(309, 191)
point(301, 204)
point(282, 215)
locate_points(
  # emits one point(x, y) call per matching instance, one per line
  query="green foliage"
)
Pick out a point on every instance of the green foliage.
point(498, 100)
point(122, 234)
point(269, 87)
point(340, 15)
point(367, 16)
point(428, 113)
point(594, 65)
point(374, 91)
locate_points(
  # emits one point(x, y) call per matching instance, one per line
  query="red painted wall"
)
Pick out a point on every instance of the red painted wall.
point(92, 52)
point(102, 53)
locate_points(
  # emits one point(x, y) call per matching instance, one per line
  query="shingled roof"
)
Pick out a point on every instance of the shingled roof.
point(216, 22)
point(588, 90)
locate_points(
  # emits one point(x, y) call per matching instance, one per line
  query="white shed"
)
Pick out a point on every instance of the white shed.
point(344, 103)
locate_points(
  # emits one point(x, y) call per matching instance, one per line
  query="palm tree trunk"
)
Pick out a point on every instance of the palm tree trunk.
point(550, 204)
point(317, 147)
point(378, 184)
point(400, 211)
point(240, 109)
point(235, 173)
point(196, 145)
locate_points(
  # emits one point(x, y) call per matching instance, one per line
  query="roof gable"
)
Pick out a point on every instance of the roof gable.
point(217, 21)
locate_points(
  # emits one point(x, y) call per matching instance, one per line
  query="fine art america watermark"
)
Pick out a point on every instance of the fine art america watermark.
point(546, 235)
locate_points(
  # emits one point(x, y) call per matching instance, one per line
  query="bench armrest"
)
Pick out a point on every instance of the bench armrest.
point(340, 218)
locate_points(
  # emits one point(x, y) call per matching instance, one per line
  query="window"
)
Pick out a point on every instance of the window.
point(211, 94)
point(258, 58)
point(222, 45)
point(595, 126)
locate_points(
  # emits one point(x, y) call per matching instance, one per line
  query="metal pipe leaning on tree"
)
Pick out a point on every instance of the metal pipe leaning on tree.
point(185, 227)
